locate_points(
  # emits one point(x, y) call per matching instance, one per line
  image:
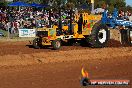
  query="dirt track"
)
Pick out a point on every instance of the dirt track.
point(24, 67)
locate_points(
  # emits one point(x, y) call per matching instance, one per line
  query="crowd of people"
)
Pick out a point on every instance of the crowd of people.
point(12, 19)
point(125, 15)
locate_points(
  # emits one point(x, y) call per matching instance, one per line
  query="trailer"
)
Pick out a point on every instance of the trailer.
point(121, 24)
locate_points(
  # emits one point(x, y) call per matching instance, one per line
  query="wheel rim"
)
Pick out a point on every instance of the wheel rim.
point(58, 44)
point(102, 35)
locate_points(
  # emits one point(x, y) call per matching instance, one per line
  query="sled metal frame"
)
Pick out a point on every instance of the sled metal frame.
point(113, 21)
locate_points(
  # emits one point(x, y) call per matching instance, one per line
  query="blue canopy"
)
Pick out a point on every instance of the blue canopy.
point(38, 5)
point(45, 5)
point(35, 5)
point(19, 3)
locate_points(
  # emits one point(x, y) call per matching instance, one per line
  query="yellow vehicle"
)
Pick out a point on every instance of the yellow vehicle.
point(85, 27)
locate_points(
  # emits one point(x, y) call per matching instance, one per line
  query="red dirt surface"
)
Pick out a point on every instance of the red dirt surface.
point(25, 67)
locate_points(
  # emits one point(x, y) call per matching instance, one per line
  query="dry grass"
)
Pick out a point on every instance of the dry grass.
point(15, 39)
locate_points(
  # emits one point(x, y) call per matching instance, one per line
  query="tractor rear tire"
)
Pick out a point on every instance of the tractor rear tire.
point(56, 44)
point(36, 43)
point(99, 36)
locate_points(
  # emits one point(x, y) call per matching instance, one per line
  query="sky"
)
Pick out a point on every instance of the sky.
point(129, 2)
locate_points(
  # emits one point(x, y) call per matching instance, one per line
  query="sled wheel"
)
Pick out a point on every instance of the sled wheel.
point(129, 34)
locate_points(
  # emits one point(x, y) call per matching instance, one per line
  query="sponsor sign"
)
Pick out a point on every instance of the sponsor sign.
point(27, 32)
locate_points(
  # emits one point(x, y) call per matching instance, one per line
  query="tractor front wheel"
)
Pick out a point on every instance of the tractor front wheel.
point(56, 44)
point(36, 43)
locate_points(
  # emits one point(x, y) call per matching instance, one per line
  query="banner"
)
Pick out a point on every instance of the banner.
point(27, 32)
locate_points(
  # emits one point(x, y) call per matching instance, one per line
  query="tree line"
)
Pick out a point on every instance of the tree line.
point(109, 4)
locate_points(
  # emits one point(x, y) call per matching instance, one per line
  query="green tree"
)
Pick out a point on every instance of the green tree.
point(3, 3)
point(111, 4)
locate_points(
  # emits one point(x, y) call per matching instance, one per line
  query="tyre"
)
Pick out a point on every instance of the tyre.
point(99, 36)
point(124, 37)
point(56, 44)
point(36, 43)
point(129, 35)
